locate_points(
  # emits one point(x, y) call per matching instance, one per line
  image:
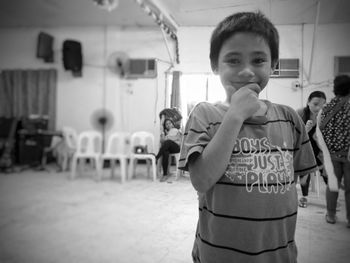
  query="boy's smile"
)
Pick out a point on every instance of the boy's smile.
point(245, 58)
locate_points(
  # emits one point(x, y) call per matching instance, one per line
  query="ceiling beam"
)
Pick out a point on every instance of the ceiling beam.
point(165, 13)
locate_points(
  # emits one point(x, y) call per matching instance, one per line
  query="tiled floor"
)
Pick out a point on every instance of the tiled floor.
point(47, 218)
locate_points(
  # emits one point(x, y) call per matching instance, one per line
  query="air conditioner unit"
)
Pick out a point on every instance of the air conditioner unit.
point(142, 68)
point(286, 68)
point(342, 65)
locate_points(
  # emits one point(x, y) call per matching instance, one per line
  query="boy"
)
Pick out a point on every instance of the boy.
point(243, 165)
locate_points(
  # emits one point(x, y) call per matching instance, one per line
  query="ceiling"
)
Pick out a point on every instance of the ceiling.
point(52, 13)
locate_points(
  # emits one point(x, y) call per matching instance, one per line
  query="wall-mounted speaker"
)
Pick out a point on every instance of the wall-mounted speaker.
point(73, 57)
point(44, 47)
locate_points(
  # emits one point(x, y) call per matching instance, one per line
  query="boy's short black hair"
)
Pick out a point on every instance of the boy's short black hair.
point(253, 22)
point(341, 85)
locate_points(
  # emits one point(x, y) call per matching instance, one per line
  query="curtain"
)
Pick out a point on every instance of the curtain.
point(26, 92)
point(175, 101)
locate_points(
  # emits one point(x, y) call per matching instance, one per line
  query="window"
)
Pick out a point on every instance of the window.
point(341, 66)
point(286, 68)
point(197, 88)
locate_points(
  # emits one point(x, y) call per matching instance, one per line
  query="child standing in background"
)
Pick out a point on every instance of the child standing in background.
point(243, 154)
point(308, 114)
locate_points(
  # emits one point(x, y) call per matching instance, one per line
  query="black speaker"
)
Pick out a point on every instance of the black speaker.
point(44, 47)
point(28, 150)
point(72, 57)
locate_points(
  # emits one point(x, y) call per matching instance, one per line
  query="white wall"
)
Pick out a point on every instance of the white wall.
point(295, 42)
point(135, 104)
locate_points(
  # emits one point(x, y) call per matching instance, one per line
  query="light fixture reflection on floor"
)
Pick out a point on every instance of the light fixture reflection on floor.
point(108, 5)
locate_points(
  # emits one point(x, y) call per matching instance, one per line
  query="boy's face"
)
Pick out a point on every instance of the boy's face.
point(244, 58)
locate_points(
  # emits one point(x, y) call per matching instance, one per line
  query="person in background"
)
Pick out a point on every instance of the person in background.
point(335, 128)
point(170, 140)
point(315, 103)
point(243, 154)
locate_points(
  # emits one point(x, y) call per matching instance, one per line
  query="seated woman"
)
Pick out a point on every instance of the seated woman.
point(170, 140)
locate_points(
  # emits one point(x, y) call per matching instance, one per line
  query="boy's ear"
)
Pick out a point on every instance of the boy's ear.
point(273, 66)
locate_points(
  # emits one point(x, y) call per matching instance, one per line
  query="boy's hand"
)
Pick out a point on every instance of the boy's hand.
point(245, 100)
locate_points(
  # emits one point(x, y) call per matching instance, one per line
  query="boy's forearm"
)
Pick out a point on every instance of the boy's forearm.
point(209, 166)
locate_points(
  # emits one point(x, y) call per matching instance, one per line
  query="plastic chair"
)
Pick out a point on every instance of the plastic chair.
point(116, 150)
point(144, 139)
point(62, 147)
point(88, 148)
point(70, 140)
point(177, 158)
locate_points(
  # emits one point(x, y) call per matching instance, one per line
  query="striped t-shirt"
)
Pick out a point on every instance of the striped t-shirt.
point(249, 215)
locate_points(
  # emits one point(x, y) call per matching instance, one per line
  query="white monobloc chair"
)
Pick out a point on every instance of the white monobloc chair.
point(179, 173)
point(62, 147)
point(117, 150)
point(70, 139)
point(145, 139)
point(89, 147)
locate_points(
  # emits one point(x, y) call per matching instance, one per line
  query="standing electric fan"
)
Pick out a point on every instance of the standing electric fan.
point(102, 120)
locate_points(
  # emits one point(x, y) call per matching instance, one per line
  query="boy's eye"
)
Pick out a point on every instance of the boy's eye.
point(232, 61)
point(259, 60)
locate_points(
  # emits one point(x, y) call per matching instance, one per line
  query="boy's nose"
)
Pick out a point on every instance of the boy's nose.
point(246, 72)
